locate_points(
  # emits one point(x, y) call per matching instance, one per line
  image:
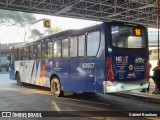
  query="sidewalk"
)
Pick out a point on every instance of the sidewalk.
point(141, 96)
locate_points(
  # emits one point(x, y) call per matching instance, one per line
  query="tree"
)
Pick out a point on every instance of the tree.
point(53, 30)
point(35, 34)
point(11, 18)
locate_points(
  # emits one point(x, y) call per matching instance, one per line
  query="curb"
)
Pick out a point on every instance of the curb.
point(138, 97)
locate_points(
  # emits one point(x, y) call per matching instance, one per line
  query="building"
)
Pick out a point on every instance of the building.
point(4, 52)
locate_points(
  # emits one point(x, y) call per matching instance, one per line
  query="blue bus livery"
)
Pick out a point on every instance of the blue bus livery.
point(105, 58)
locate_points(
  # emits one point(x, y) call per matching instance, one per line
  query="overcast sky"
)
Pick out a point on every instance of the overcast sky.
point(11, 34)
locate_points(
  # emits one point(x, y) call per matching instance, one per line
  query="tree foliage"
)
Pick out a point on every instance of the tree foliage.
point(8, 17)
point(53, 30)
point(35, 34)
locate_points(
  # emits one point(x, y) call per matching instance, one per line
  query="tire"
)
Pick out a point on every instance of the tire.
point(56, 87)
point(18, 78)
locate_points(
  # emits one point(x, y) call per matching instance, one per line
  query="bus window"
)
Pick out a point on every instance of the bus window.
point(50, 50)
point(81, 45)
point(124, 37)
point(65, 48)
point(73, 47)
point(38, 51)
point(57, 49)
point(30, 52)
point(93, 40)
point(44, 49)
point(16, 53)
point(12, 57)
point(22, 53)
point(27, 53)
point(35, 52)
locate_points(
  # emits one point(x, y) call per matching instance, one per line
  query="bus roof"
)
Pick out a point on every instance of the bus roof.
point(72, 32)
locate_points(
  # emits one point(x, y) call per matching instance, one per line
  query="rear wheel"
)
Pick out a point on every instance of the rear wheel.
point(56, 87)
point(18, 78)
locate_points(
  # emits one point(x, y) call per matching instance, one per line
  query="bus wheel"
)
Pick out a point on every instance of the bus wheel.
point(56, 87)
point(18, 79)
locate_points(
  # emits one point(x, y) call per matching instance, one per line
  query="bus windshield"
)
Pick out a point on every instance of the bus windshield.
point(127, 37)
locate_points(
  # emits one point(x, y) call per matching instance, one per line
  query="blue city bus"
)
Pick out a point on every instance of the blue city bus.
point(104, 58)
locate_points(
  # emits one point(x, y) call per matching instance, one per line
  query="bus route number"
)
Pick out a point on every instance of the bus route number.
point(88, 65)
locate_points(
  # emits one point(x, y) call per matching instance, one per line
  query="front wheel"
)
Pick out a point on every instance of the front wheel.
point(56, 87)
point(18, 78)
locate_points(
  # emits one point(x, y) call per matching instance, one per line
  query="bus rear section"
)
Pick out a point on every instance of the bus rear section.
point(126, 58)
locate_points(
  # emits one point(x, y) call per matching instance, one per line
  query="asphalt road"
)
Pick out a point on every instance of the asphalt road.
point(35, 98)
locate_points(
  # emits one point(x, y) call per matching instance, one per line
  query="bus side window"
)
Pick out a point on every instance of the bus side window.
point(11, 56)
point(93, 41)
point(20, 50)
point(35, 52)
point(38, 51)
point(27, 53)
point(73, 47)
point(30, 52)
point(65, 48)
point(24, 54)
point(81, 46)
point(57, 49)
point(44, 49)
point(50, 50)
point(16, 54)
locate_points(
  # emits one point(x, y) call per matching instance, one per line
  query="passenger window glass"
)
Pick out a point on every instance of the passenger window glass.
point(35, 52)
point(38, 51)
point(93, 40)
point(27, 53)
point(31, 52)
point(73, 47)
point(21, 53)
point(65, 48)
point(44, 48)
point(57, 49)
point(24, 54)
point(16, 52)
point(81, 45)
point(12, 56)
point(50, 50)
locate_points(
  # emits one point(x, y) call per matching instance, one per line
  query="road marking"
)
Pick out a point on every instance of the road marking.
point(86, 101)
point(54, 105)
